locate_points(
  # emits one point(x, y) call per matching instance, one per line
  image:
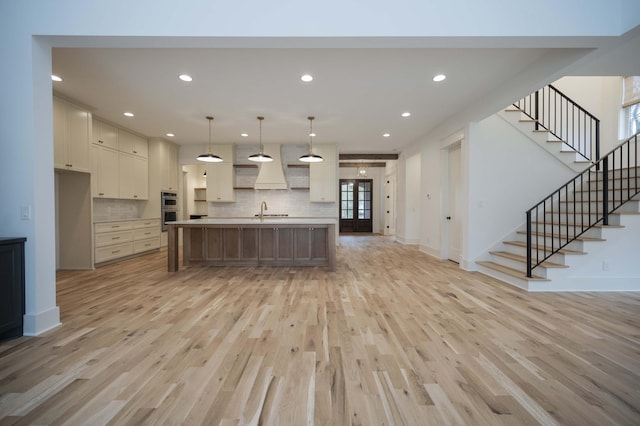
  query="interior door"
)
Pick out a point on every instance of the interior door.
point(455, 198)
point(356, 205)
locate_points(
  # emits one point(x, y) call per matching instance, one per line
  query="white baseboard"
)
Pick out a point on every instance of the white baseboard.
point(36, 324)
point(407, 241)
point(431, 251)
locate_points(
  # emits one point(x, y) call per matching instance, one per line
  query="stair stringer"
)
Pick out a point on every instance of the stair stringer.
point(611, 265)
point(559, 150)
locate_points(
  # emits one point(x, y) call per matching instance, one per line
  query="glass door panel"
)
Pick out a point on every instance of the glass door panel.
point(356, 209)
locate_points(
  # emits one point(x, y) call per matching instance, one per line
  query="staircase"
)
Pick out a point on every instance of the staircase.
point(562, 229)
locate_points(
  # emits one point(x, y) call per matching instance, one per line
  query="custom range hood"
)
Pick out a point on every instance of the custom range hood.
point(271, 174)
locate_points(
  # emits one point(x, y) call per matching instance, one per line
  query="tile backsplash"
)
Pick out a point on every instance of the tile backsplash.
point(295, 203)
point(111, 209)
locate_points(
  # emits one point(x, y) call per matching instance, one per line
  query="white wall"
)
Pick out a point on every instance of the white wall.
point(602, 97)
point(508, 174)
point(26, 86)
point(409, 194)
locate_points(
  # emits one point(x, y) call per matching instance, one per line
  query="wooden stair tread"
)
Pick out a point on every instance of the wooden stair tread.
point(542, 234)
point(510, 271)
point(523, 259)
point(548, 249)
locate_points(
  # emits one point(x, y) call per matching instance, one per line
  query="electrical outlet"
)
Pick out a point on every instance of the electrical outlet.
point(605, 265)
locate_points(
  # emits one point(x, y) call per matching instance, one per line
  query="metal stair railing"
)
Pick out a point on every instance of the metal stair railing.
point(555, 112)
point(605, 185)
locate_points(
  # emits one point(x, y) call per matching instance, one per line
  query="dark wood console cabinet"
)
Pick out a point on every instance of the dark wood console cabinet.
point(11, 287)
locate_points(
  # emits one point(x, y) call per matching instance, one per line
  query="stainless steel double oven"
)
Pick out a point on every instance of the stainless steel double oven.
point(169, 206)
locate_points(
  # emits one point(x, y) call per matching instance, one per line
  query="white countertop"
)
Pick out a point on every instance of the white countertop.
point(256, 221)
point(125, 220)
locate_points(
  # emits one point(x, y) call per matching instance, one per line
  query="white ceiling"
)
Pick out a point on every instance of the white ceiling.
point(357, 94)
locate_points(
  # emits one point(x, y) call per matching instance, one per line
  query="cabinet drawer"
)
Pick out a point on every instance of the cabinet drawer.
point(142, 234)
point(110, 238)
point(146, 223)
point(112, 226)
point(113, 252)
point(144, 245)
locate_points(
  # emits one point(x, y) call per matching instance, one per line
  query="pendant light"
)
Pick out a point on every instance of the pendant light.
point(311, 157)
point(260, 157)
point(209, 157)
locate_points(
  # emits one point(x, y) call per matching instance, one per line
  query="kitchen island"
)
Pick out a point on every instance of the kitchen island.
point(281, 241)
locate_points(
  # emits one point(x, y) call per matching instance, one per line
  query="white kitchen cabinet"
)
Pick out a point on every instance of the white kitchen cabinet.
point(133, 177)
point(323, 176)
point(104, 172)
point(220, 177)
point(220, 183)
point(71, 134)
point(132, 144)
point(164, 161)
point(120, 239)
point(105, 134)
point(140, 178)
point(172, 165)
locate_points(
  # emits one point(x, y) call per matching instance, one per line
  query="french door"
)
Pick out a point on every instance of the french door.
point(356, 205)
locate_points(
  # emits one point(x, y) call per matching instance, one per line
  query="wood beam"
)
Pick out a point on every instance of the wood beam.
point(368, 156)
point(354, 164)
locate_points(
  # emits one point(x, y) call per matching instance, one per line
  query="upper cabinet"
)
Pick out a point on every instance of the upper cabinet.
point(105, 134)
point(220, 177)
point(323, 176)
point(71, 134)
point(120, 164)
point(105, 172)
point(163, 164)
point(132, 144)
point(133, 177)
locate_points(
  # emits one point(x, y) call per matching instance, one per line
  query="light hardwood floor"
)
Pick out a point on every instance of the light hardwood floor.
point(393, 337)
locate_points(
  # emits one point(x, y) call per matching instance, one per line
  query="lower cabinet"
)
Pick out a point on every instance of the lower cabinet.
point(256, 245)
point(11, 287)
point(115, 240)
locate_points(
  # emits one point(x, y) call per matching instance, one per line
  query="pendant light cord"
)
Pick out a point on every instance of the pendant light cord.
point(310, 135)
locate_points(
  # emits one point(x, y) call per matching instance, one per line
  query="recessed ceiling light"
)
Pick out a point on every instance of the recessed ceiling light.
point(313, 135)
point(170, 135)
point(386, 135)
point(55, 78)
point(406, 114)
point(127, 114)
point(185, 77)
point(306, 78)
point(439, 77)
point(244, 135)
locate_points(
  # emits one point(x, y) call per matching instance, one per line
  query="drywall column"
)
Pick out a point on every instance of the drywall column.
point(27, 172)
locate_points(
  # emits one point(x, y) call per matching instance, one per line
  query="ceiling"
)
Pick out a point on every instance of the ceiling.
point(357, 94)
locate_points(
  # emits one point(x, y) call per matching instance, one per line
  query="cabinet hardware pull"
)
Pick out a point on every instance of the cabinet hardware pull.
point(115, 251)
point(115, 226)
point(135, 196)
point(99, 141)
point(100, 193)
point(115, 238)
point(147, 233)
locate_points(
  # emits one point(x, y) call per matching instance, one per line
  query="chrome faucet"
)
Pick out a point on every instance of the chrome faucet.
point(263, 207)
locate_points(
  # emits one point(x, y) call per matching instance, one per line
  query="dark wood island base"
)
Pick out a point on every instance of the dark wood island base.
point(253, 244)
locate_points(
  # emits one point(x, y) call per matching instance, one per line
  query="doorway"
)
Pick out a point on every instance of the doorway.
point(356, 204)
